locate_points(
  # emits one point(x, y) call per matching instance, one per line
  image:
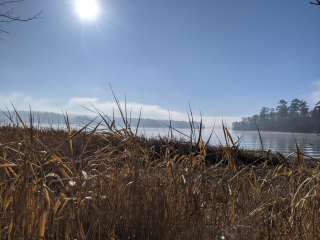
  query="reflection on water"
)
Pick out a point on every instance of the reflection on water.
point(275, 141)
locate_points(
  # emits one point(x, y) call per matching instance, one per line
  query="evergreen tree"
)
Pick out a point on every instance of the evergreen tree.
point(293, 118)
point(282, 109)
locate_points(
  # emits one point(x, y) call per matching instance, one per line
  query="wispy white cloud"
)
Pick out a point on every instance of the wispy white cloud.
point(314, 96)
point(24, 102)
point(80, 105)
point(148, 111)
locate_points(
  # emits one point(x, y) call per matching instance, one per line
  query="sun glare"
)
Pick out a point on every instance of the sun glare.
point(87, 10)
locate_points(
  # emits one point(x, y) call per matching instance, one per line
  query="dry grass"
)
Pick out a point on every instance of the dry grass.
point(115, 185)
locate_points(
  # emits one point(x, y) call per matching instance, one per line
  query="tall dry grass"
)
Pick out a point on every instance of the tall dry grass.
point(112, 184)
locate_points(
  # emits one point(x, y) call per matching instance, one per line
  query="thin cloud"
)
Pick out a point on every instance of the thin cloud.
point(148, 111)
point(314, 96)
point(25, 102)
point(80, 105)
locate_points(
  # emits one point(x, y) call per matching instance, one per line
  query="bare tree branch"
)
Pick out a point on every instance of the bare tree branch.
point(9, 18)
point(7, 13)
point(3, 31)
point(317, 2)
point(2, 3)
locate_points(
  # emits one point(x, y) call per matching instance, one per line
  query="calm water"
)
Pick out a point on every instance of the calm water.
point(275, 141)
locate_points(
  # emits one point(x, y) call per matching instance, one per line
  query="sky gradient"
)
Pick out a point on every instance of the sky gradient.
point(227, 58)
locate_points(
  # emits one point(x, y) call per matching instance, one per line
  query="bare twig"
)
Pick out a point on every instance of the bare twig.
point(7, 14)
point(2, 3)
point(317, 2)
point(6, 18)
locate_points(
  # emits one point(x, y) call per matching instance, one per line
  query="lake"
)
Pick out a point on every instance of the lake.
point(276, 141)
point(282, 142)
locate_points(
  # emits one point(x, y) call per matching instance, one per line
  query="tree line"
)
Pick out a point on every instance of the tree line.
point(295, 116)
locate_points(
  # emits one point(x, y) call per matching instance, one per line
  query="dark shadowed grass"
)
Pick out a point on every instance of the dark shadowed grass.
point(113, 184)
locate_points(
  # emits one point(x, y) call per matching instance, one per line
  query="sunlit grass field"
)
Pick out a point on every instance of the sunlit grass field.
point(113, 184)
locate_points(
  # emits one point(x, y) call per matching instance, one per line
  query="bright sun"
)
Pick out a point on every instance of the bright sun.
point(87, 10)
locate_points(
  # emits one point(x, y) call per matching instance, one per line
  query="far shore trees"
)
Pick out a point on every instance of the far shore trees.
point(293, 117)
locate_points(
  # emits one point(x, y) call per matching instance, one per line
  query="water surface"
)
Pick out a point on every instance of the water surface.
point(282, 142)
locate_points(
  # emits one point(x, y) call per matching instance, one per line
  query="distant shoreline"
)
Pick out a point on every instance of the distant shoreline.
point(57, 119)
point(275, 131)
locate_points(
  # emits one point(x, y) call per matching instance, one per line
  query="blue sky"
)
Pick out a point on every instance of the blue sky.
point(227, 58)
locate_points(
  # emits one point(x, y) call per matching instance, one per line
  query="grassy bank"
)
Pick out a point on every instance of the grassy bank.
point(115, 185)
